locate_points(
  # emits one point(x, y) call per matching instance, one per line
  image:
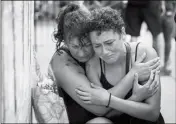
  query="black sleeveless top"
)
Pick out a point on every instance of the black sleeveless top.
point(106, 85)
point(76, 113)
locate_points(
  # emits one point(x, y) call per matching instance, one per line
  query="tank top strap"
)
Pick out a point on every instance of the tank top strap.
point(136, 50)
point(128, 65)
point(102, 66)
point(128, 57)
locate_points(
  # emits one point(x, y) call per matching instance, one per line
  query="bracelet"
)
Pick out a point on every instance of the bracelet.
point(109, 100)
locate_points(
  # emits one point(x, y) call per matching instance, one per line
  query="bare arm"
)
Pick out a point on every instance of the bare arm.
point(69, 75)
point(150, 109)
point(125, 84)
point(151, 106)
point(120, 90)
point(139, 110)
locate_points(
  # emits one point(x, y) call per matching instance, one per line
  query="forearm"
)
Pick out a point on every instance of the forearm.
point(123, 87)
point(120, 90)
point(135, 109)
point(116, 112)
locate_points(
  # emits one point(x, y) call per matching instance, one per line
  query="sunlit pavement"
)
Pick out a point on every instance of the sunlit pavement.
point(167, 82)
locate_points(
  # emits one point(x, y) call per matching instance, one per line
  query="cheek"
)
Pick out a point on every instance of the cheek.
point(115, 47)
point(97, 50)
point(90, 50)
point(72, 51)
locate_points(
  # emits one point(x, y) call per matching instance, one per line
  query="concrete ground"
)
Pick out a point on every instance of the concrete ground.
point(44, 40)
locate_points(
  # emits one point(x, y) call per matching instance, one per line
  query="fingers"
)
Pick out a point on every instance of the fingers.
point(149, 82)
point(141, 59)
point(155, 90)
point(155, 81)
point(84, 96)
point(158, 76)
point(155, 66)
point(157, 69)
point(155, 84)
point(153, 61)
point(82, 93)
point(94, 86)
point(135, 78)
point(81, 88)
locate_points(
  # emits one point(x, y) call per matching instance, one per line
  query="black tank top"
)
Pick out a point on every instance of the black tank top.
point(103, 79)
point(76, 113)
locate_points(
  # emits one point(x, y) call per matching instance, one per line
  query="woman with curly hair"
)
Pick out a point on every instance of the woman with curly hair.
point(68, 65)
point(113, 59)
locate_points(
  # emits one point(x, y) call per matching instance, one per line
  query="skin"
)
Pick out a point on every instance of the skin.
point(69, 74)
point(80, 52)
point(68, 71)
point(109, 46)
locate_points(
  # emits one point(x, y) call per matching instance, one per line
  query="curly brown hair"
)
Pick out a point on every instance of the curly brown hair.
point(106, 18)
point(71, 21)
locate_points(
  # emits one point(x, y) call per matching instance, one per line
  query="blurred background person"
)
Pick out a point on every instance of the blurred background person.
point(118, 5)
point(148, 11)
point(92, 4)
point(168, 27)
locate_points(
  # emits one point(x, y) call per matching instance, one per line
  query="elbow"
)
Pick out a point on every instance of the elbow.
point(153, 115)
point(101, 113)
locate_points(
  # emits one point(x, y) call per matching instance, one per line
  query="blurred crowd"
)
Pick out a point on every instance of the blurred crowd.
point(50, 9)
point(160, 17)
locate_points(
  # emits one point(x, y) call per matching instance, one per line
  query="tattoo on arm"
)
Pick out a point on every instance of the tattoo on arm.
point(71, 61)
point(48, 105)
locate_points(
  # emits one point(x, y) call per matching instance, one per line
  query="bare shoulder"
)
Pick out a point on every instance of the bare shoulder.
point(93, 63)
point(62, 60)
point(150, 51)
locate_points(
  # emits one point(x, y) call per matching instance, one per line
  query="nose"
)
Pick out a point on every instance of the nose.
point(81, 53)
point(104, 51)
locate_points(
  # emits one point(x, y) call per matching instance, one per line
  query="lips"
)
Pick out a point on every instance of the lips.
point(107, 56)
point(83, 59)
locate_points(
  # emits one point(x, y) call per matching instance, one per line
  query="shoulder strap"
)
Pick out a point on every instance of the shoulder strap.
point(101, 65)
point(128, 57)
point(136, 51)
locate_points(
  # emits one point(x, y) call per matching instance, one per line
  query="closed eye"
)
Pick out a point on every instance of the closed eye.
point(75, 47)
point(96, 46)
point(88, 45)
point(109, 43)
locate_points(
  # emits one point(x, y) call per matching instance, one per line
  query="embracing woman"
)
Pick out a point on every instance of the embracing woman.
point(69, 68)
point(113, 60)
